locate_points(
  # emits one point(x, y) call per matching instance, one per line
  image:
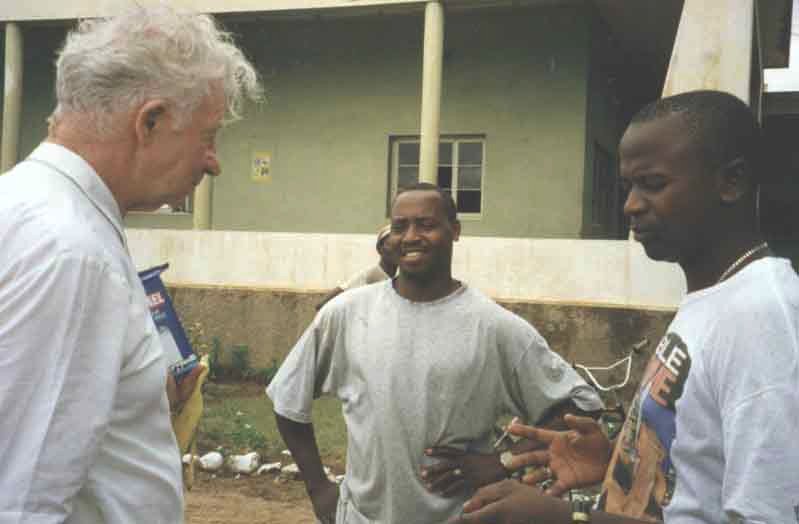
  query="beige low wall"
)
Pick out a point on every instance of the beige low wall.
point(591, 299)
point(599, 272)
point(269, 322)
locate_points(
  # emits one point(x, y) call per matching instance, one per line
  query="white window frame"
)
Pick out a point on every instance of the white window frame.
point(455, 140)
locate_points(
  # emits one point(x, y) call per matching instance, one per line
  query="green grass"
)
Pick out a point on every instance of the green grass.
point(255, 429)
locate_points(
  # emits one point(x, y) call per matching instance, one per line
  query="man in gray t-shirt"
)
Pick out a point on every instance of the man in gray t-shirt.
point(420, 362)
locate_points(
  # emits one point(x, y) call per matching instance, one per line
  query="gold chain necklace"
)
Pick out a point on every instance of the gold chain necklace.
point(743, 258)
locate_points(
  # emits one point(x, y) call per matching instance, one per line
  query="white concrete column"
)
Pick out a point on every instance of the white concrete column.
point(202, 204)
point(713, 48)
point(432, 65)
point(12, 97)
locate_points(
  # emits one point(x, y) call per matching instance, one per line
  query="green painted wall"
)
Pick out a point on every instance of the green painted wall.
point(338, 88)
point(520, 77)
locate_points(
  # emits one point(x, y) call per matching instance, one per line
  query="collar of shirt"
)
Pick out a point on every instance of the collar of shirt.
point(83, 175)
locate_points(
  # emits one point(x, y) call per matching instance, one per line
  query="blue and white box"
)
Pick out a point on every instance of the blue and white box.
point(177, 349)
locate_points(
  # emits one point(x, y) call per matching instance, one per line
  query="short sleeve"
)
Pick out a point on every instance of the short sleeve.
point(543, 379)
point(306, 372)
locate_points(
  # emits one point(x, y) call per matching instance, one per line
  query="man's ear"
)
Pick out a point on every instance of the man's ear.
point(456, 230)
point(736, 181)
point(149, 117)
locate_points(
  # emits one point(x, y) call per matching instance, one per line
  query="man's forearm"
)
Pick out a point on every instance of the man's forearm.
point(301, 441)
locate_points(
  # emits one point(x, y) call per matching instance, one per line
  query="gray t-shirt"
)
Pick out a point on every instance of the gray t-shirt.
point(413, 375)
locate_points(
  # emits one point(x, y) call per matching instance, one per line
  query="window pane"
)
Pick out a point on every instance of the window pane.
point(468, 201)
point(470, 177)
point(445, 153)
point(445, 176)
point(408, 153)
point(408, 176)
point(470, 153)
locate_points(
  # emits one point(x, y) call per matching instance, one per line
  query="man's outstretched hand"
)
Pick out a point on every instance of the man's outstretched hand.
point(508, 502)
point(575, 458)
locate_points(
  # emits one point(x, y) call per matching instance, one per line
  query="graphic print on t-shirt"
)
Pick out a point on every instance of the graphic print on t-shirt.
point(640, 478)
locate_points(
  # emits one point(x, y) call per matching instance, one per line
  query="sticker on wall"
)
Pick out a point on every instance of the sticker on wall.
point(261, 166)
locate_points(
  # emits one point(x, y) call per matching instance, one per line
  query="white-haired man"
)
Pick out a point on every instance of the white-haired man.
point(86, 434)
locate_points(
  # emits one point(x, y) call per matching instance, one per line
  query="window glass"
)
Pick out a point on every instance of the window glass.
point(470, 153)
point(408, 153)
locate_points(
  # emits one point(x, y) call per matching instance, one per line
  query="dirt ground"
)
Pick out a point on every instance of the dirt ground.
point(247, 500)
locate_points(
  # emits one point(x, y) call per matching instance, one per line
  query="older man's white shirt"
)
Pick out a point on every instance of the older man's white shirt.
point(85, 434)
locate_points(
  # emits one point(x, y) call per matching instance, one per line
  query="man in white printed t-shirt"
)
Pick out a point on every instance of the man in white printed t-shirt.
point(424, 365)
point(711, 435)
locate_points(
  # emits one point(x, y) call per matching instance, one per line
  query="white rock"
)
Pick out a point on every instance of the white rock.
point(269, 468)
point(291, 468)
point(286, 452)
point(211, 461)
point(290, 471)
point(244, 463)
point(188, 458)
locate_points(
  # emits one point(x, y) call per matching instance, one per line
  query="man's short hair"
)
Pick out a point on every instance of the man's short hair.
point(722, 124)
point(446, 198)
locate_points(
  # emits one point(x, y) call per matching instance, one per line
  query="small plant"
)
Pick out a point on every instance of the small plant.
point(240, 361)
point(228, 427)
point(196, 335)
point(245, 437)
point(214, 365)
point(263, 375)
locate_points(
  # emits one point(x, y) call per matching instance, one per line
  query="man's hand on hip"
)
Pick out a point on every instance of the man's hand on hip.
point(459, 471)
